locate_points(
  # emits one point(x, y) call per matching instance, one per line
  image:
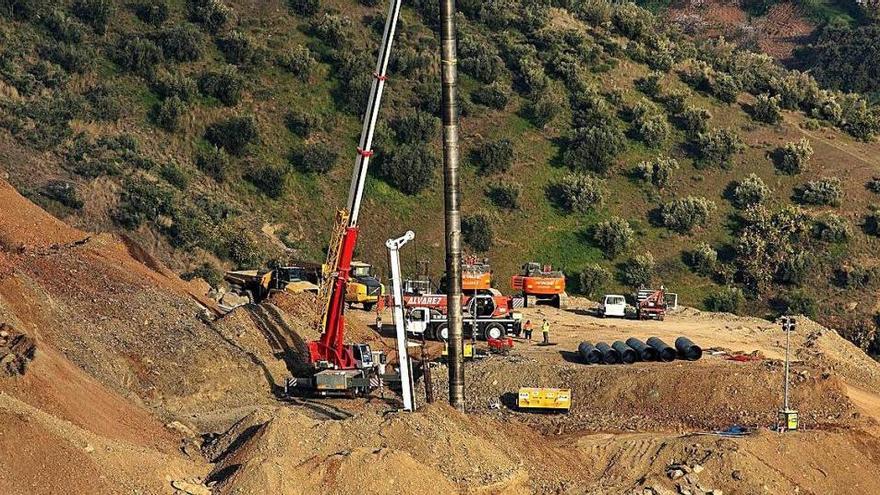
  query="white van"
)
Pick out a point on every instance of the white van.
point(613, 305)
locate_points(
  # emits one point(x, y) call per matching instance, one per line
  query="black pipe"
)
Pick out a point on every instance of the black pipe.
point(645, 352)
point(687, 349)
point(609, 355)
point(589, 354)
point(627, 354)
point(664, 352)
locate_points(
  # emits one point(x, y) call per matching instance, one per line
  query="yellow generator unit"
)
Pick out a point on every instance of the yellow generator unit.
point(554, 399)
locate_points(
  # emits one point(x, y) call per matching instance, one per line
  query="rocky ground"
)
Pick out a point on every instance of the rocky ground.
point(117, 377)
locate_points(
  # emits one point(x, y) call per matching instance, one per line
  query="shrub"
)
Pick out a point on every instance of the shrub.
point(21, 10)
point(596, 12)
point(493, 95)
point(614, 236)
point(594, 148)
point(675, 101)
point(794, 89)
point(766, 109)
point(211, 14)
point(63, 28)
point(138, 55)
point(872, 222)
point(684, 214)
point(416, 127)
point(479, 59)
point(74, 59)
point(181, 43)
point(638, 270)
point(726, 300)
point(694, 120)
point(750, 191)
point(95, 13)
point(832, 228)
point(167, 113)
point(302, 123)
point(593, 278)
point(718, 147)
point(207, 272)
point(657, 171)
point(233, 134)
point(105, 102)
point(494, 156)
point(827, 191)
point(175, 175)
point(854, 277)
point(330, 28)
point(873, 185)
point(64, 193)
point(650, 84)
point(306, 8)
point(476, 231)
point(225, 85)
point(237, 48)
point(315, 158)
point(215, 162)
point(241, 246)
point(579, 192)
point(541, 109)
point(703, 259)
point(793, 270)
point(794, 157)
point(631, 20)
point(142, 201)
point(505, 194)
point(798, 302)
point(652, 130)
point(153, 12)
point(298, 61)
point(725, 88)
point(168, 85)
point(269, 178)
point(410, 168)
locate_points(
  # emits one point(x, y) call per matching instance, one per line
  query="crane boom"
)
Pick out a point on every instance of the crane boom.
point(330, 349)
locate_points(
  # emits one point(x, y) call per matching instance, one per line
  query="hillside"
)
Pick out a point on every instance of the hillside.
point(221, 134)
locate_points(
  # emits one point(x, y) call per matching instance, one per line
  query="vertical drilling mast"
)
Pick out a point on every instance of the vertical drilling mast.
point(406, 382)
point(330, 351)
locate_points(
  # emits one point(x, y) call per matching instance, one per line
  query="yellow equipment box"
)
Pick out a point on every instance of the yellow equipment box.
point(468, 350)
point(544, 398)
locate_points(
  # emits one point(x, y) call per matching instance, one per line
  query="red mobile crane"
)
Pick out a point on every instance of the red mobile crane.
point(339, 366)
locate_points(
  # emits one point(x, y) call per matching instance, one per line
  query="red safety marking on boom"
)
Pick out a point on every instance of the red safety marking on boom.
point(365, 153)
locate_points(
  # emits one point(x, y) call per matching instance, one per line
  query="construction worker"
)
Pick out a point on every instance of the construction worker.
point(545, 330)
point(527, 329)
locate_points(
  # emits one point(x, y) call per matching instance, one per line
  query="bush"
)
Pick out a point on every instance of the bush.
point(105, 101)
point(798, 302)
point(541, 109)
point(827, 191)
point(410, 168)
point(683, 215)
point(657, 171)
point(167, 113)
point(505, 194)
point(306, 8)
point(269, 178)
point(872, 222)
point(479, 58)
point(74, 59)
point(750, 191)
point(593, 278)
point(225, 85)
point(476, 231)
point(854, 277)
point(595, 12)
point(181, 43)
point(315, 158)
point(330, 28)
point(493, 95)
point(614, 236)
point(650, 84)
point(63, 28)
point(138, 55)
point(832, 228)
point(766, 109)
point(416, 127)
point(215, 162)
point(638, 270)
point(494, 156)
point(298, 61)
point(594, 148)
point(142, 201)
point(237, 48)
point(794, 157)
point(234, 134)
point(703, 259)
point(794, 269)
point(64, 193)
point(95, 13)
point(631, 20)
point(694, 120)
point(725, 88)
point(873, 185)
point(675, 101)
point(20, 10)
point(579, 192)
point(718, 147)
point(153, 12)
point(175, 175)
point(303, 123)
point(653, 130)
point(207, 272)
point(168, 85)
point(241, 246)
point(211, 14)
point(726, 300)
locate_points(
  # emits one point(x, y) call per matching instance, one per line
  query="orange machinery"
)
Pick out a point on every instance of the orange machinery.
point(476, 275)
point(541, 284)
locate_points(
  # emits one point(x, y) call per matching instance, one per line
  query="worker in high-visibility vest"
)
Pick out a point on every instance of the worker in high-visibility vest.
point(545, 330)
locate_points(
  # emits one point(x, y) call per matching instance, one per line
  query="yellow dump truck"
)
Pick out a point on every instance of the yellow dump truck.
point(363, 288)
point(256, 285)
point(542, 398)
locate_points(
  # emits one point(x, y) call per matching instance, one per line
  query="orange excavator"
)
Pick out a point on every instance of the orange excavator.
point(541, 284)
point(476, 275)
